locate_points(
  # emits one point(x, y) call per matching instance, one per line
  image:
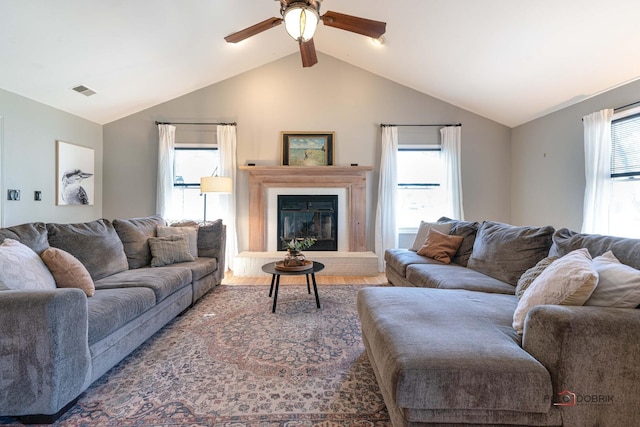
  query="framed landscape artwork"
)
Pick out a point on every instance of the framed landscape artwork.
point(75, 168)
point(307, 148)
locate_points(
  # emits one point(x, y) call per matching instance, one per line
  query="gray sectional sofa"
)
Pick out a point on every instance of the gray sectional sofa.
point(55, 343)
point(445, 352)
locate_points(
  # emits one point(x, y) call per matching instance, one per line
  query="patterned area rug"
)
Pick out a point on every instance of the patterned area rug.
point(229, 361)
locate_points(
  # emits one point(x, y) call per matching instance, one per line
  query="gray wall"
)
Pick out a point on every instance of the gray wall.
point(28, 160)
point(282, 96)
point(547, 162)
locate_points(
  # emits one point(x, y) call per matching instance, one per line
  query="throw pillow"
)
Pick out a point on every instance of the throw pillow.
point(569, 280)
point(190, 232)
point(618, 285)
point(423, 232)
point(169, 250)
point(67, 271)
point(96, 244)
point(22, 268)
point(530, 275)
point(505, 251)
point(439, 246)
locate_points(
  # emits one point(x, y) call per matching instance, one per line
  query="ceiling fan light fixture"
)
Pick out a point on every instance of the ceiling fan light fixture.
point(301, 21)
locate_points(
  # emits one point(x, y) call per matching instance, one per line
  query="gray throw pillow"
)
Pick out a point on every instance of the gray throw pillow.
point(135, 233)
point(530, 275)
point(505, 251)
point(466, 229)
point(96, 245)
point(169, 250)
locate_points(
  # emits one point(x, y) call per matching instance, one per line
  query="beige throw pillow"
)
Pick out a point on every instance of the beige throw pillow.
point(169, 250)
point(68, 271)
point(530, 275)
point(618, 285)
point(22, 268)
point(190, 232)
point(569, 280)
point(439, 246)
point(423, 232)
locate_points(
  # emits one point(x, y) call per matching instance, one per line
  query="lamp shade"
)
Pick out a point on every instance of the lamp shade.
point(216, 184)
point(301, 22)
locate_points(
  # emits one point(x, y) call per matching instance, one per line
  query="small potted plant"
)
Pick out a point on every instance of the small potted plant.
point(294, 247)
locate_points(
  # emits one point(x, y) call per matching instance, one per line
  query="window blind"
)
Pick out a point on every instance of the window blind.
point(625, 148)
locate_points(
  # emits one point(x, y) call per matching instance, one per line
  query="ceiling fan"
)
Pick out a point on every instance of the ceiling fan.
point(301, 19)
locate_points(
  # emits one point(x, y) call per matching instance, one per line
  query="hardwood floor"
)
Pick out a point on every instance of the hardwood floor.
point(265, 279)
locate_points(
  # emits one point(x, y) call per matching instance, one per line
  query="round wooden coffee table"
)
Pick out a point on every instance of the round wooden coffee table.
point(270, 268)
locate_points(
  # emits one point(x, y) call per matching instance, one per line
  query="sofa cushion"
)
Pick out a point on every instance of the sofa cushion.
point(423, 232)
point(450, 349)
point(531, 274)
point(569, 280)
point(169, 250)
point(506, 251)
point(162, 281)
point(400, 259)
point(618, 284)
point(22, 268)
point(626, 250)
point(33, 235)
point(439, 246)
point(134, 234)
point(190, 232)
point(468, 231)
point(200, 267)
point(210, 238)
point(96, 244)
point(68, 271)
point(453, 276)
point(110, 309)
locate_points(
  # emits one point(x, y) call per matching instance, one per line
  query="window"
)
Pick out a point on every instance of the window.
point(420, 193)
point(190, 164)
point(624, 211)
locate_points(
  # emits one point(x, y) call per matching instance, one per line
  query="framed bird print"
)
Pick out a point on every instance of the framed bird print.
point(75, 169)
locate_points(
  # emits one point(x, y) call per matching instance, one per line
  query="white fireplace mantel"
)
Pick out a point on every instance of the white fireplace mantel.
point(351, 178)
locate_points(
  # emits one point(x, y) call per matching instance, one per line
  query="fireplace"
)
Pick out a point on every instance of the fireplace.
point(307, 215)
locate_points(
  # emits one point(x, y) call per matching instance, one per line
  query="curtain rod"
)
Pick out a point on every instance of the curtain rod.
point(627, 106)
point(201, 123)
point(382, 125)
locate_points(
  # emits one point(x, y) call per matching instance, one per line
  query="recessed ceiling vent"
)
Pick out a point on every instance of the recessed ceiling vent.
point(84, 90)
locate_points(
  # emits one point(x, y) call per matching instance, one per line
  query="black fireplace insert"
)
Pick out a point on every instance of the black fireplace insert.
point(314, 216)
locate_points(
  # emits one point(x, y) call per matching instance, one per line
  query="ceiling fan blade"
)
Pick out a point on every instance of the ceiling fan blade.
point(308, 53)
point(366, 27)
point(253, 30)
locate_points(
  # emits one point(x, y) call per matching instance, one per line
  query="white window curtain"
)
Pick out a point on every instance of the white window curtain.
point(451, 140)
point(164, 192)
point(597, 169)
point(386, 234)
point(227, 142)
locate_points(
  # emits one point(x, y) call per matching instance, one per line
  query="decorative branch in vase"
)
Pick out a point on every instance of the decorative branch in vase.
point(294, 247)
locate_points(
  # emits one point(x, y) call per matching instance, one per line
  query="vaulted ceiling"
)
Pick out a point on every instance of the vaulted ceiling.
point(508, 60)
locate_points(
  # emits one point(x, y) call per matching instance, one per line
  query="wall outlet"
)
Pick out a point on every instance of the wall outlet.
point(13, 194)
point(37, 196)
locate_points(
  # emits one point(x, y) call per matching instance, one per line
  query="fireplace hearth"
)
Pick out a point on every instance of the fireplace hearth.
point(315, 216)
